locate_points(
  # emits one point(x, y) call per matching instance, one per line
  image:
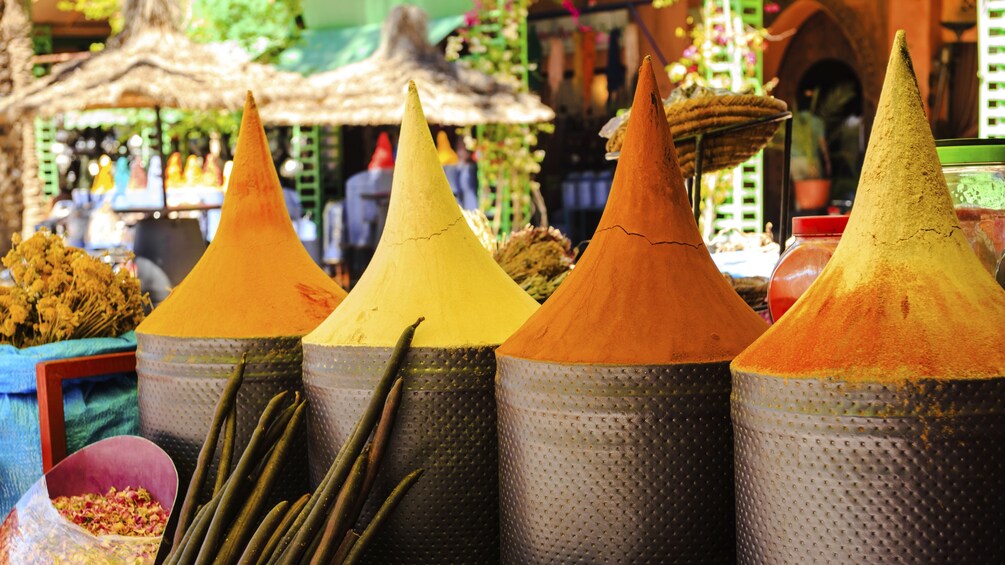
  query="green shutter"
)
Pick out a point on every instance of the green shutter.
point(48, 173)
point(744, 206)
point(991, 66)
point(307, 150)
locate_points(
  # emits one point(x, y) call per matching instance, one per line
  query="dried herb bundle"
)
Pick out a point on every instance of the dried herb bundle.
point(62, 293)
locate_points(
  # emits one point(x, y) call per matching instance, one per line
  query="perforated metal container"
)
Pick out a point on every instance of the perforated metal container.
point(181, 380)
point(612, 464)
point(835, 472)
point(446, 425)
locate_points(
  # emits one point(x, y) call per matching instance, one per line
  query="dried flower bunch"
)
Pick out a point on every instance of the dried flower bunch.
point(127, 512)
point(537, 258)
point(62, 293)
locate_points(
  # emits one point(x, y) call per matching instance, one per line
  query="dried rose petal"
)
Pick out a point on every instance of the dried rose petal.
point(126, 512)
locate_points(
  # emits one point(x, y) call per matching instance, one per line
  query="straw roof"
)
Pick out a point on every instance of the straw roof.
point(152, 63)
point(371, 91)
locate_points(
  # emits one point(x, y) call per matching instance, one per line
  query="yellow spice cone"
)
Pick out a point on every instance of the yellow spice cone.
point(255, 279)
point(428, 263)
point(904, 295)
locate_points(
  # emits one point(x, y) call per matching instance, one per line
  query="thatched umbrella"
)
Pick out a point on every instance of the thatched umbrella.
point(370, 92)
point(152, 64)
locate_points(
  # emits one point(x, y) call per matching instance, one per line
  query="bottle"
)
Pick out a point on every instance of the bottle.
point(816, 237)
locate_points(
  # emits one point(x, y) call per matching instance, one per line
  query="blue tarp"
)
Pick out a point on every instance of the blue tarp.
point(93, 408)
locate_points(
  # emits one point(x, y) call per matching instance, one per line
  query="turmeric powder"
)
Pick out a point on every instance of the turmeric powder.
point(428, 263)
point(646, 290)
point(904, 296)
point(255, 279)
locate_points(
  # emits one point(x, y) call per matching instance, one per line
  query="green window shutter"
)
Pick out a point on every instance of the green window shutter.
point(744, 205)
point(991, 66)
point(48, 172)
point(307, 150)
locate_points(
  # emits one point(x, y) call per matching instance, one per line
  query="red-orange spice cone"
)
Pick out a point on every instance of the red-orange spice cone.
point(256, 291)
point(870, 420)
point(614, 432)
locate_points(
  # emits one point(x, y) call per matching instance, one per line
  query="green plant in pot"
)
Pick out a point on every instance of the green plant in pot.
point(814, 132)
point(810, 165)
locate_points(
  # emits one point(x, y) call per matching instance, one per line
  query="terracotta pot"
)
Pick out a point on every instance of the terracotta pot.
point(812, 193)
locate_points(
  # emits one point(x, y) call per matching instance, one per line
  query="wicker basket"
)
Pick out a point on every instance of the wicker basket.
point(698, 115)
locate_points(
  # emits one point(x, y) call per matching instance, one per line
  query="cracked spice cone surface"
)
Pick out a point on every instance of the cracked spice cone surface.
point(428, 263)
point(646, 290)
point(904, 296)
point(255, 279)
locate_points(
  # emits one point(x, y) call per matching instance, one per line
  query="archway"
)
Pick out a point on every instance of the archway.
point(832, 90)
point(826, 33)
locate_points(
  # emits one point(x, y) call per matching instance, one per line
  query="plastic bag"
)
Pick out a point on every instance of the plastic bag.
point(36, 534)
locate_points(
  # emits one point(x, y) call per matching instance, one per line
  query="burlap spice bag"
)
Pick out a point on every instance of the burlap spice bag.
point(255, 291)
point(428, 263)
point(614, 436)
point(870, 420)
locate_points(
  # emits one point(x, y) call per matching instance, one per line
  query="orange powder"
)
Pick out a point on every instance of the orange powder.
point(903, 296)
point(646, 291)
point(255, 279)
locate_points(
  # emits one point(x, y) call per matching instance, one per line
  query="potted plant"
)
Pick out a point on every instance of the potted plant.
point(810, 164)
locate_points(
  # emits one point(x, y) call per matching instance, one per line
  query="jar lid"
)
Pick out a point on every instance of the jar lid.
point(819, 225)
point(970, 151)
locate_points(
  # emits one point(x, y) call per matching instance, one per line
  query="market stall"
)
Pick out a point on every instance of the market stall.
point(151, 63)
point(368, 93)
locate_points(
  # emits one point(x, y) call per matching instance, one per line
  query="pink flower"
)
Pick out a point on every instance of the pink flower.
point(772, 8)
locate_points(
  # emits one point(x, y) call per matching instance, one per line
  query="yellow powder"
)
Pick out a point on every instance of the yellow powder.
point(255, 279)
point(903, 296)
point(428, 263)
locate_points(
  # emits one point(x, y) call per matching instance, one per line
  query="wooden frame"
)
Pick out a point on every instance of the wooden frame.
point(49, 377)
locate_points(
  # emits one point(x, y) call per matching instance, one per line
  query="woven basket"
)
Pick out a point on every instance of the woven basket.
point(698, 115)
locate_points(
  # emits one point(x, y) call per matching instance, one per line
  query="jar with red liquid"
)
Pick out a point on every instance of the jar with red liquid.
point(816, 238)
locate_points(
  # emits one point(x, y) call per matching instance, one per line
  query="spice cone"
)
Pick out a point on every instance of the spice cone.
point(868, 420)
point(904, 296)
point(428, 263)
point(646, 290)
point(613, 400)
point(255, 279)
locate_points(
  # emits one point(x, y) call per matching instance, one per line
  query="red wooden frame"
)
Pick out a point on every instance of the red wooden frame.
point(49, 376)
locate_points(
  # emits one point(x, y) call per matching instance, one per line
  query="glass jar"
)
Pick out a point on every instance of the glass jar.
point(975, 174)
point(816, 238)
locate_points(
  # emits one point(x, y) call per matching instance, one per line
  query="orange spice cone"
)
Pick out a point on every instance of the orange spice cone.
point(428, 263)
point(619, 385)
point(868, 419)
point(255, 291)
